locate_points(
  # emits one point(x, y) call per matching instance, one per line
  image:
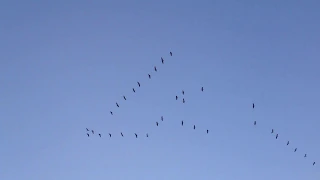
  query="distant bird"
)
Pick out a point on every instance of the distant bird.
point(287, 143)
point(109, 134)
point(92, 131)
point(155, 69)
point(277, 136)
point(162, 60)
point(117, 104)
point(252, 105)
point(176, 97)
point(183, 100)
point(121, 134)
point(272, 131)
point(255, 122)
point(161, 118)
point(202, 89)
point(183, 92)
point(157, 123)
point(194, 126)
point(111, 113)
point(136, 135)
point(88, 134)
point(170, 53)
point(87, 129)
point(124, 98)
point(295, 150)
point(138, 84)
point(149, 76)
point(305, 155)
point(182, 123)
point(147, 135)
point(207, 131)
point(314, 163)
point(133, 90)
point(100, 135)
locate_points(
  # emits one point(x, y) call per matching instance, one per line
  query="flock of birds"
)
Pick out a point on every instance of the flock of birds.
point(182, 122)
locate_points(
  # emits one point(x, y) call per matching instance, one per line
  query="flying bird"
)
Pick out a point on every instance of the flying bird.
point(252, 105)
point(183, 100)
point(133, 90)
point(155, 69)
point(121, 134)
point(88, 134)
point(207, 131)
point(314, 163)
point(147, 135)
point(161, 118)
point(100, 135)
point(162, 60)
point(202, 89)
point(92, 131)
point(157, 123)
point(182, 123)
point(255, 122)
point(117, 104)
point(277, 136)
point(170, 53)
point(183, 92)
point(295, 150)
point(111, 113)
point(149, 76)
point(194, 126)
point(136, 135)
point(124, 98)
point(287, 143)
point(138, 84)
point(176, 97)
point(87, 129)
point(305, 155)
point(272, 131)
point(109, 134)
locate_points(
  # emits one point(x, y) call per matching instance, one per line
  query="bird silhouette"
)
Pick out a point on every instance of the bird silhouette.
point(124, 98)
point(121, 134)
point(287, 143)
point(147, 135)
point(194, 126)
point(161, 118)
point(133, 90)
point(295, 150)
point(252, 105)
point(109, 134)
point(170, 53)
point(157, 123)
point(255, 122)
point(162, 60)
point(183, 100)
point(138, 84)
point(136, 135)
point(207, 131)
point(182, 92)
point(155, 69)
point(314, 163)
point(272, 131)
point(149, 76)
point(88, 134)
point(117, 104)
point(277, 136)
point(182, 123)
point(100, 135)
point(202, 89)
point(92, 131)
point(176, 97)
point(305, 155)
point(111, 112)
point(87, 129)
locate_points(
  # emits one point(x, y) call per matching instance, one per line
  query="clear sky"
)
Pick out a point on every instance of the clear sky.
point(64, 65)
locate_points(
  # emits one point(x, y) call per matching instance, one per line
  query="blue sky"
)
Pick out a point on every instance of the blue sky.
point(64, 65)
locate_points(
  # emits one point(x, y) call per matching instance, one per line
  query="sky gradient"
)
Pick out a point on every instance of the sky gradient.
point(64, 65)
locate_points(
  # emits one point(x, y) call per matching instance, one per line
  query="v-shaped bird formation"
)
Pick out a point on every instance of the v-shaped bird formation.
point(182, 99)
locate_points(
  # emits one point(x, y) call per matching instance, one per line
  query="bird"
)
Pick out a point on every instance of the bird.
point(305, 155)
point(207, 131)
point(155, 69)
point(295, 150)
point(136, 135)
point(111, 113)
point(252, 105)
point(133, 90)
point(277, 136)
point(157, 123)
point(109, 134)
point(170, 53)
point(314, 163)
point(202, 89)
point(147, 135)
point(161, 118)
point(287, 143)
point(149, 76)
point(162, 60)
point(121, 134)
point(272, 131)
point(176, 97)
point(194, 126)
point(255, 122)
point(87, 129)
point(138, 84)
point(88, 134)
point(92, 131)
point(183, 100)
point(124, 98)
point(100, 135)
point(182, 123)
point(117, 104)
point(183, 92)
